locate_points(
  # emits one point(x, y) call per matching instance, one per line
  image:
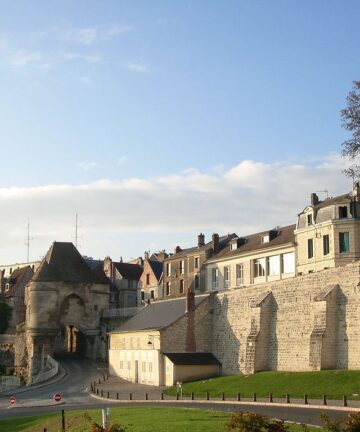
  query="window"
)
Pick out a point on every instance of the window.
point(259, 267)
point(182, 267)
point(215, 278)
point(288, 260)
point(121, 364)
point(197, 281)
point(168, 288)
point(233, 245)
point(239, 274)
point(142, 295)
point(310, 248)
point(309, 219)
point(196, 262)
point(7, 287)
point(274, 265)
point(343, 212)
point(181, 286)
point(152, 294)
point(326, 244)
point(168, 269)
point(147, 278)
point(265, 238)
point(227, 277)
point(95, 307)
point(143, 366)
point(344, 244)
point(150, 367)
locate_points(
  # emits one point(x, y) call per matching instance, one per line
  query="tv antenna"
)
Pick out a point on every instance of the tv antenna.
point(76, 231)
point(27, 242)
point(324, 191)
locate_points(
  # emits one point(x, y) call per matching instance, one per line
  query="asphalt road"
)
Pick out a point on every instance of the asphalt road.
point(80, 373)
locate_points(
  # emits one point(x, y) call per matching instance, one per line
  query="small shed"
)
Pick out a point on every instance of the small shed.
point(187, 366)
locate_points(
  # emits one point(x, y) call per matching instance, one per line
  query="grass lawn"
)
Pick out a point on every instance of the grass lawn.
point(333, 383)
point(137, 419)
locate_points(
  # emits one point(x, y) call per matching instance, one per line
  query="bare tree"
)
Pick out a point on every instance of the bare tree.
point(351, 121)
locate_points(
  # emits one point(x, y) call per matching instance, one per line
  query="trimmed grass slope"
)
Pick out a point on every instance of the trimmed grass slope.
point(333, 383)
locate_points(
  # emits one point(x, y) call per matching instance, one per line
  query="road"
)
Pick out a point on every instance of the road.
point(80, 373)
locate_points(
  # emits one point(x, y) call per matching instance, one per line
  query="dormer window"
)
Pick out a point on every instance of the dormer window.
point(7, 287)
point(343, 212)
point(309, 219)
point(234, 244)
point(265, 238)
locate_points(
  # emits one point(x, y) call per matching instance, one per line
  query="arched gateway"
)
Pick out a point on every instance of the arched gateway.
point(63, 301)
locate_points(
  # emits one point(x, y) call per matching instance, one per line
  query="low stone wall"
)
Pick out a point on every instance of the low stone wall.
point(50, 370)
point(7, 343)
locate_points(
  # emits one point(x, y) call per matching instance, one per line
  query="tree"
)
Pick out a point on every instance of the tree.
point(351, 121)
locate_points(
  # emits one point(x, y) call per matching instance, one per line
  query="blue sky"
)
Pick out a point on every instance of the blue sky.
point(140, 102)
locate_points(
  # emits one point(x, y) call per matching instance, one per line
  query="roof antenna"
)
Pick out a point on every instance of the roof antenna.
point(76, 231)
point(324, 191)
point(27, 242)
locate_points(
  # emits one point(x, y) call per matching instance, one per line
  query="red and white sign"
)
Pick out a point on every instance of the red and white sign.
point(12, 400)
point(57, 397)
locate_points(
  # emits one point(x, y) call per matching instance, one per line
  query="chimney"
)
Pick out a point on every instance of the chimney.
point(201, 240)
point(177, 249)
point(215, 243)
point(146, 256)
point(190, 301)
point(314, 199)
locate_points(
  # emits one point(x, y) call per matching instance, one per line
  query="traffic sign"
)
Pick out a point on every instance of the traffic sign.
point(12, 400)
point(57, 397)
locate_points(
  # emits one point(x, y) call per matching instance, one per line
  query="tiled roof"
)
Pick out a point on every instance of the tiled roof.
point(195, 358)
point(159, 314)
point(252, 242)
point(63, 263)
point(129, 271)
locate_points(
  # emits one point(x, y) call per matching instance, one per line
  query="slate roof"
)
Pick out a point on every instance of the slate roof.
point(129, 271)
point(157, 268)
point(159, 315)
point(196, 358)
point(63, 263)
point(17, 278)
point(223, 241)
point(332, 201)
point(253, 242)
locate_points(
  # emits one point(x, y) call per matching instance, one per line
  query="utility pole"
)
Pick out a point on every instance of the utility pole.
point(76, 231)
point(27, 242)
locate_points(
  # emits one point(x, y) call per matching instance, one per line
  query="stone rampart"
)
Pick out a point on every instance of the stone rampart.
point(305, 323)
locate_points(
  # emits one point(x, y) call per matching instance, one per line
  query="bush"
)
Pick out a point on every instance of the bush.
point(95, 427)
point(350, 424)
point(252, 422)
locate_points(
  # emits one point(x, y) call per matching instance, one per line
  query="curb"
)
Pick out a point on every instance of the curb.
point(219, 402)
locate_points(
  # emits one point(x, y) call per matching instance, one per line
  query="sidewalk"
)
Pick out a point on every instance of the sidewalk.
point(114, 388)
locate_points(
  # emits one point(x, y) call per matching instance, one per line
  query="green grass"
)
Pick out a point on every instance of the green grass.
point(333, 383)
point(137, 419)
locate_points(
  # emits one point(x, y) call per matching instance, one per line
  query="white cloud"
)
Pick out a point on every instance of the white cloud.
point(89, 58)
point(23, 58)
point(87, 166)
point(86, 81)
point(122, 160)
point(249, 197)
point(84, 36)
point(115, 30)
point(139, 67)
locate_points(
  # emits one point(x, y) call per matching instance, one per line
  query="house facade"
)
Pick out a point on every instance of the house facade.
point(328, 232)
point(142, 350)
point(150, 283)
point(185, 269)
point(258, 258)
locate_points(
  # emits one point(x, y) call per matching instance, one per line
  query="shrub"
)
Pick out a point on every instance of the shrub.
point(95, 427)
point(252, 422)
point(350, 424)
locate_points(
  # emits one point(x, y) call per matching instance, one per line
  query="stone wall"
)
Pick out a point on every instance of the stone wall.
point(7, 350)
point(310, 322)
